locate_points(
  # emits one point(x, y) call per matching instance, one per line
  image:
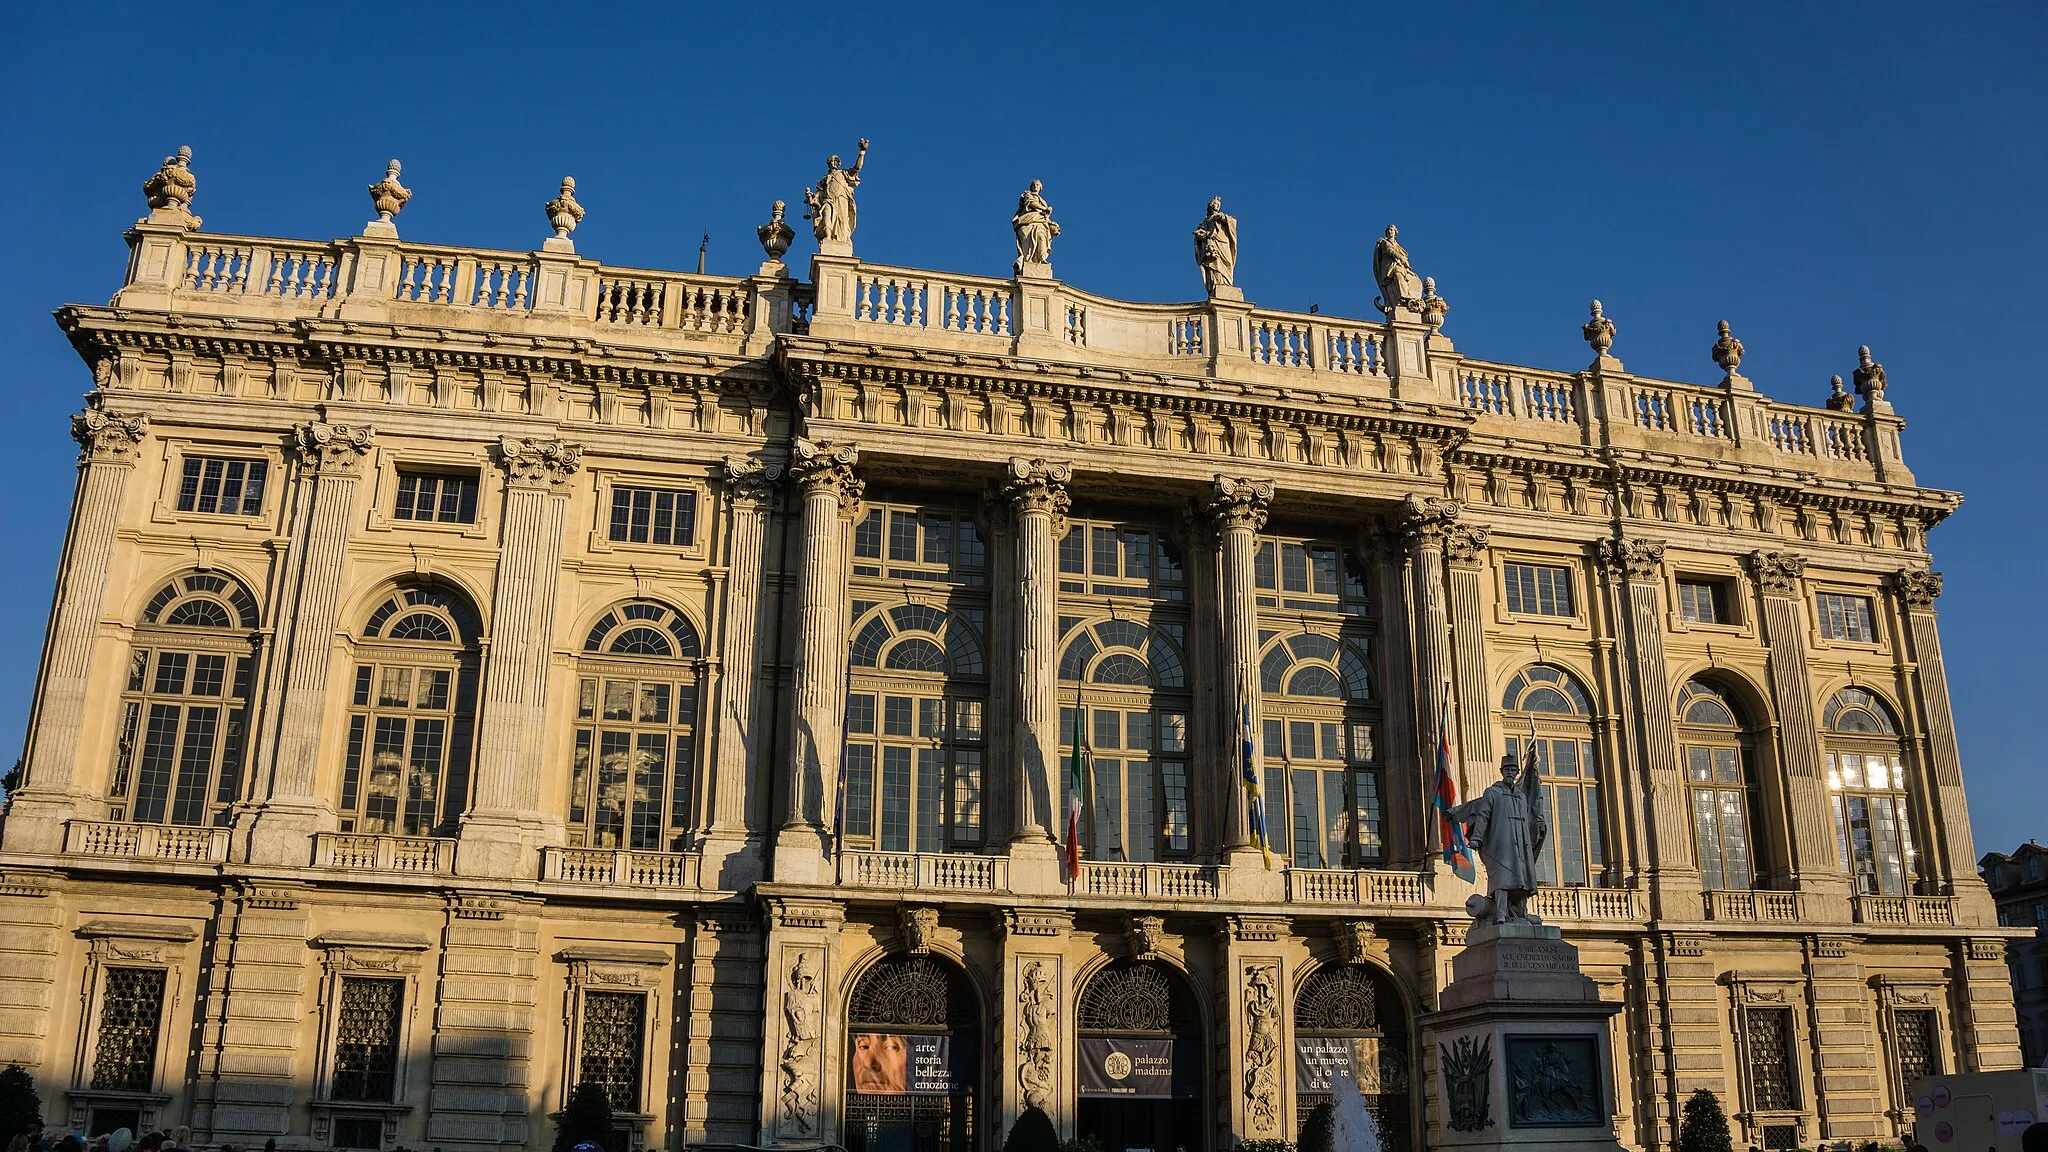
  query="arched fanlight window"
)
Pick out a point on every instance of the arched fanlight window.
point(1718, 755)
point(412, 714)
point(1352, 1018)
point(632, 775)
point(1322, 777)
point(1867, 789)
point(913, 1031)
point(1130, 681)
point(184, 708)
point(1549, 716)
point(915, 745)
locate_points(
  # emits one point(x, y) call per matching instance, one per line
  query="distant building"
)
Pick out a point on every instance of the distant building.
point(2019, 885)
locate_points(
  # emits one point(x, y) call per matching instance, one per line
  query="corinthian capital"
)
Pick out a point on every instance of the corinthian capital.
point(332, 447)
point(1038, 486)
point(1465, 544)
point(107, 437)
point(1239, 502)
point(751, 481)
point(1630, 559)
point(818, 465)
point(1918, 589)
point(1425, 519)
point(534, 462)
point(1777, 573)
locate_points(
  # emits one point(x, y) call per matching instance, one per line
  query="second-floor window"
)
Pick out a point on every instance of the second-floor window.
point(1538, 589)
point(437, 497)
point(366, 1040)
point(898, 542)
point(915, 756)
point(222, 485)
point(412, 715)
point(1717, 769)
point(1109, 559)
point(1867, 789)
point(1703, 601)
point(1322, 789)
point(653, 516)
point(1845, 617)
point(1555, 705)
point(633, 773)
point(1131, 685)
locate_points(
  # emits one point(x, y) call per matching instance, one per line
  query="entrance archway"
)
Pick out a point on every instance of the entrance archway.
point(1351, 1017)
point(1141, 1071)
point(913, 1038)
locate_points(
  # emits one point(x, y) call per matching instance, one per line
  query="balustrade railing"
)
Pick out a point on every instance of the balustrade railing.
point(146, 841)
point(1905, 911)
point(1586, 904)
point(620, 868)
point(1354, 886)
point(903, 299)
point(423, 855)
point(947, 872)
point(1168, 881)
point(1759, 907)
point(1517, 394)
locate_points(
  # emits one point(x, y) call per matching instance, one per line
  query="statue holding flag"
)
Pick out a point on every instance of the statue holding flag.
point(1506, 825)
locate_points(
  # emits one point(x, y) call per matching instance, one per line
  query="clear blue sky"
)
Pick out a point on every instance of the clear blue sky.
point(1821, 175)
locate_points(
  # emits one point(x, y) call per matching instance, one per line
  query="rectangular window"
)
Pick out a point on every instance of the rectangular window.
point(437, 497)
point(1845, 618)
point(932, 544)
point(653, 516)
point(1773, 1066)
point(1703, 601)
point(614, 1025)
point(1913, 1039)
point(1572, 855)
point(131, 1010)
point(1112, 560)
point(1539, 589)
point(222, 485)
point(366, 1040)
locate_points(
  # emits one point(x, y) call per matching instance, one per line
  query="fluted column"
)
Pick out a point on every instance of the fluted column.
point(1956, 851)
point(504, 828)
point(1636, 567)
point(732, 834)
point(287, 804)
point(1038, 494)
point(108, 443)
point(1408, 820)
point(1238, 507)
point(823, 471)
point(1465, 551)
point(1424, 521)
point(1778, 578)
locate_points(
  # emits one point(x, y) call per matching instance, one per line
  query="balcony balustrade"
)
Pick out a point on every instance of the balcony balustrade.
point(146, 841)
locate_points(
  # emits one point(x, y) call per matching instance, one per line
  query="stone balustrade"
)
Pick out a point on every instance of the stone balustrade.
point(1355, 886)
point(1613, 904)
point(417, 855)
point(620, 868)
point(1754, 906)
point(1905, 911)
point(944, 872)
point(155, 842)
point(1163, 881)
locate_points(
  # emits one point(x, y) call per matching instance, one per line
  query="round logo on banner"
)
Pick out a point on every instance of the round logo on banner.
point(1117, 1065)
point(1944, 1131)
point(1941, 1096)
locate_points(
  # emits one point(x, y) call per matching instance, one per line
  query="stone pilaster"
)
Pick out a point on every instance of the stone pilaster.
point(1238, 508)
point(1424, 522)
point(1815, 869)
point(998, 533)
point(1691, 1029)
point(1038, 989)
point(1038, 496)
point(288, 804)
point(31, 919)
point(1465, 550)
point(109, 443)
point(1633, 571)
point(721, 1030)
point(255, 1058)
point(1987, 1027)
point(1954, 853)
point(1407, 837)
point(504, 828)
point(801, 1050)
point(732, 837)
point(824, 473)
point(1258, 1013)
point(1849, 1090)
point(482, 1088)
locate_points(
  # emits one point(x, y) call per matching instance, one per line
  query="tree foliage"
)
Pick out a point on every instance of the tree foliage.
point(1703, 1127)
point(1319, 1130)
point(21, 1110)
point(585, 1119)
point(1033, 1132)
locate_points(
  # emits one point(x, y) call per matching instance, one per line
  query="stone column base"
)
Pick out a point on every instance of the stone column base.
point(1035, 867)
point(802, 856)
point(35, 822)
point(503, 847)
point(280, 835)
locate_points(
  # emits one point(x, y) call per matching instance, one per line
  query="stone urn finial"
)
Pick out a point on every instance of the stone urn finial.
point(1728, 350)
point(775, 235)
point(388, 196)
point(563, 211)
point(1434, 307)
point(1838, 399)
point(173, 186)
point(1599, 331)
point(1869, 378)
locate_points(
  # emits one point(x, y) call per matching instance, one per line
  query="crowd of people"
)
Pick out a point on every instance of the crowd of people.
point(178, 1139)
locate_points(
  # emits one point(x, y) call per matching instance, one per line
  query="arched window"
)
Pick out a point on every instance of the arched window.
point(1553, 704)
point(915, 745)
point(631, 774)
point(1131, 722)
point(412, 714)
point(1350, 1019)
point(1717, 767)
point(184, 710)
point(1140, 1074)
point(1867, 788)
point(913, 1039)
point(1322, 787)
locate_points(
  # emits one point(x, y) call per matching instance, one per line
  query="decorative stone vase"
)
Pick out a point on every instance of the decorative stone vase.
point(775, 235)
point(388, 196)
point(563, 211)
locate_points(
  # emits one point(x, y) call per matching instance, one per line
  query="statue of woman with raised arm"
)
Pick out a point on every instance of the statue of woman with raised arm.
point(832, 213)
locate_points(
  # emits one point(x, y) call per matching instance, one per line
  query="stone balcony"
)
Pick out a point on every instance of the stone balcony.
point(415, 855)
point(163, 843)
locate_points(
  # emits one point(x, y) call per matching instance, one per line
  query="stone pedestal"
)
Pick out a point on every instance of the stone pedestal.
point(1520, 1042)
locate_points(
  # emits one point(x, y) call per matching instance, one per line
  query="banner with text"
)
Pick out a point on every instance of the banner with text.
point(1139, 1069)
point(892, 1064)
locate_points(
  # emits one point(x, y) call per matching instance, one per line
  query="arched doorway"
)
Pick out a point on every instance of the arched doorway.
point(913, 1035)
point(1350, 1017)
point(1141, 1068)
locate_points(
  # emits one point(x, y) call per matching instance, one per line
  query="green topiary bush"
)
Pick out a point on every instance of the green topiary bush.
point(1319, 1130)
point(21, 1110)
point(1703, 1127)
point(1033, 1132)
point(586, 1118)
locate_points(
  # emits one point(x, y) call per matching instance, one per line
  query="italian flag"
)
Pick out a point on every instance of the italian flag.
point(1077, 785)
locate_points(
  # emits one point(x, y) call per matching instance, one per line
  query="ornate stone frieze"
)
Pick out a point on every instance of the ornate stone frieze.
point(808, 913)
point(106, 436)
point(751, 481)
point(1639, 560)
point(1777, 573)
point(800, 1057)
point(1918, 589)
point(537, 462)
point(1144, 935)
point(336, 448)
point(1262, 1048)
point(1424, 520)
point(1240, 502)
point(824, 464)
point(1465, 545)
point(1987, 950)
point(919, 926)
point(1033, 485)
point(1037, 1006)
point(1257, 929)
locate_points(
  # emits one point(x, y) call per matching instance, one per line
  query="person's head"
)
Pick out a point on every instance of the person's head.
point(1038, 185)
point(1509, 769)
point(1215, 204)
point(1392, 231)
point(2035, 1138)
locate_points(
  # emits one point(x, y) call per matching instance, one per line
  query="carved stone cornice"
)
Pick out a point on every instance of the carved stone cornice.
point(1917, 588)
point(1777, 573)
point(919, 926)
point(538, 462)
point(1047, 922)
point(1256, 929)
point(1240, 502)
point(1629, 559)
point(1424, 520)
point(820, 465)
point(812, 914)
point(332, 448)
point(107, 437)
point(751, 482)
point(1465, 545)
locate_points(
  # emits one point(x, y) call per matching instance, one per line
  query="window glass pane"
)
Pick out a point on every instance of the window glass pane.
point(895, 806)
point(1308, 841)
point(1109, 803)
point(1142, 819)
point(859, 800)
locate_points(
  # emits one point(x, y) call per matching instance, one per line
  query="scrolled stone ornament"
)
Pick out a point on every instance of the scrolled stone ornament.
point(1434, 307)
point(1918, 588)
point(1240, 502)
point(105, 435)
point(1465, 544)
point(818, 464)
point(1423, 520)
point(751, 480)
point(388, 196)
point(1638, 560)
point(534, 461)
point(1777, 573)
point(1034, 485)
point(1599, 331)
point(173, 186)
point(1727, 351)
point(563, 212)
point(332, 447)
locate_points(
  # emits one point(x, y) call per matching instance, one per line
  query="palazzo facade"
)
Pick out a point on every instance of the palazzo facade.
point(472, 673)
